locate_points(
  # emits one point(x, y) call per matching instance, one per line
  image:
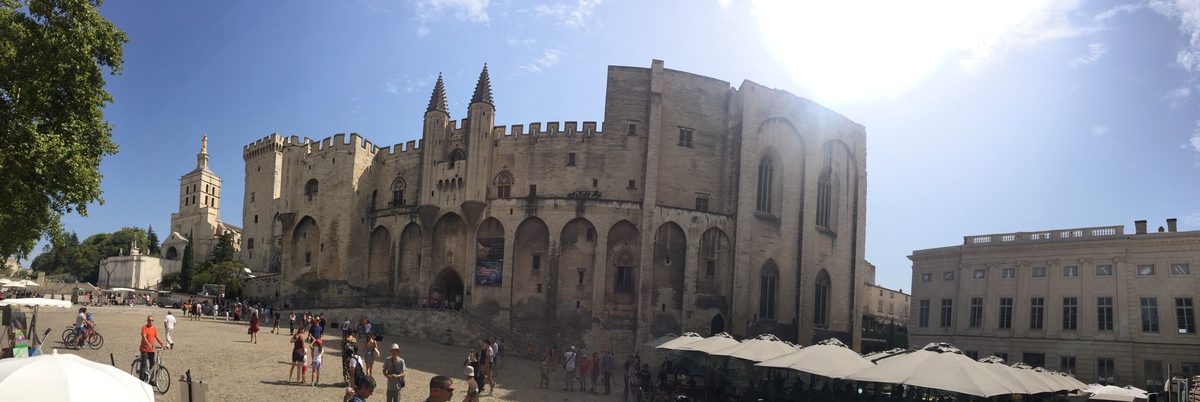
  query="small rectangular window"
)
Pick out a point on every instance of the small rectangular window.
point(307, 258)
point(624, 282)
point(1181, 269)
point(1145, 270)
point(1149, 307)
point(923, 313)
point(591, 234)
point(976, 312)
point(948, 276)
point(251, 196)
point(250, 243)
point(533, 190)
point(685, 137)
point(595, 183)
point(537, 262)
point(581, 276)
point(1104, 270)
point(926, 277)
point(1038, 272)
point(979, 274)
point(255, 218)
point(571, 159)
point(539, 288)
point(1008, 273)
point(632, 130)
point(1070, 270)
point(633, 184)
point(702, 203)
point(710, 268)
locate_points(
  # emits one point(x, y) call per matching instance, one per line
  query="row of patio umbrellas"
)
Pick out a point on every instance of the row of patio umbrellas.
point(937, 365)
point(22, 283)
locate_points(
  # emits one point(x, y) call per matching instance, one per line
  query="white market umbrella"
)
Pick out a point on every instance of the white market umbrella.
point(685, 339)
point(121, 290)
point(67, 377)
point(711, 344)
point(762, 347)
point(27, 283)
point(1029, 380)
point(876, 356)
point(938, 366)
point(661, 340)
point(1114, 393)
point(830, 358)
point(1137, 392)
point(1053, 376)
point(35, 302)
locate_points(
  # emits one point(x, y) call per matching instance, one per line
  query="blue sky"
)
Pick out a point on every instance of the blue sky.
point(1016, 116)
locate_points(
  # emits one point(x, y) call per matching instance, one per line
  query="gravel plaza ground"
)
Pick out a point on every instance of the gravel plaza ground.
point(220, 354)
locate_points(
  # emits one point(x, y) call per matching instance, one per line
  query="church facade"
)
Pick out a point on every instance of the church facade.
point(695, 206)
point(199, 213)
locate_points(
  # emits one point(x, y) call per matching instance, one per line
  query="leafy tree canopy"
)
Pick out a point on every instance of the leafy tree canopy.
point(53, 54)
point(66, 254)
point(223, 251)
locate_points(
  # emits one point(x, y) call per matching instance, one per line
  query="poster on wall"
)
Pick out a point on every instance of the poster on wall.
point(19, 328)
point(489, 261)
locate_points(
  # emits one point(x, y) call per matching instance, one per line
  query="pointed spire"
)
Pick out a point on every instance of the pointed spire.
point(437, 101)
point(483, 89)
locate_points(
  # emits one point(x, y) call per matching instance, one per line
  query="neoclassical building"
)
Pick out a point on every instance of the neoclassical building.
point(695, 206)
point(1105, 305)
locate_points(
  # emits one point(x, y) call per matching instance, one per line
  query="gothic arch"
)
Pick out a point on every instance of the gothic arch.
point(449, 242)
point(768, 291)
point(715, 263)
point(379, 256)
point(624, 242)
point(456, 155)
point(306, 248)
point(409, 259)
point(310, 189)
point(448, 287)
point(489, 256)
point(398, 186)
point(769, 183)
point(667, 277)
point(577, 258)
point(822, 298)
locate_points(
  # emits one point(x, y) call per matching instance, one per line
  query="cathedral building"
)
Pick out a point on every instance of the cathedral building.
point(199, 213)
point(695, 206)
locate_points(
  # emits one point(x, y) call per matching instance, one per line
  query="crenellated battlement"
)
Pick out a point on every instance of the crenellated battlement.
point(569, 129)
point(272, 143)
point(401, 148)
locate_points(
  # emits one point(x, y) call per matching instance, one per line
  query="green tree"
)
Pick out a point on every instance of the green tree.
point(223, 251)
point(227, 273)
point(170, 281)
point(154, 247)
point(187, 271)
point(53, 54)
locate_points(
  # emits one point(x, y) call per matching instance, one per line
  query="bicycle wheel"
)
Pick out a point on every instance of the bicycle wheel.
point(162, 380)
point(136, 367)
point(68, 334)
point(95, 340)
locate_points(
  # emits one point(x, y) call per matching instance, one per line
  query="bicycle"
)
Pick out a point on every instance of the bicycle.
point(91, 337)
point(159, 378)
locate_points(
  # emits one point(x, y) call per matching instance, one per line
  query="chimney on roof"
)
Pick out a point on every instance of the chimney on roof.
point(1161, 229)
point(1139, 227)
point(1171, 225)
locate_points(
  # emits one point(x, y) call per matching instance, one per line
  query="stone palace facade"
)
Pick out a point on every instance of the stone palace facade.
point(1099, 303)
point(695, 206)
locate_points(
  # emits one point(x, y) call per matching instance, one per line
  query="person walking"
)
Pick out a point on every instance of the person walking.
point(569, 365)
point(583, 372)
point(595, 370)
point(487, 364)
point(297, 358)
point(149, 337)
point(472, 392)
point(395, 370)
point(254, 327)
point(349, 348)
point(369, 352)
point(169, 324)
point(318, 354)
point(606, 364)
point(292, 323)
point(275, 317)
point(441, 389)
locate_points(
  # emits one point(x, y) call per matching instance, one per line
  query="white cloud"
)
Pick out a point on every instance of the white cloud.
point(1113, 12)
point(1178, 96)
point(572, 17)
point(1003, 27)
point(422, 31)
point(1095, 52)
point(521, 42)
point(1099, 130)
point(550, 58)
point(1188, 14)
point(395, 83)
point(1192, 220)
point(1195, 140)
point(725, 4)
point(466, 10)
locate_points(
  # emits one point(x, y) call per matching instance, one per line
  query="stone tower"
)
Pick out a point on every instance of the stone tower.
point(481, 117)
point(199, 210)
point(262, 228)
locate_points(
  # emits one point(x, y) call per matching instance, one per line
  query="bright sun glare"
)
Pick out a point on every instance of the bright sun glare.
point(848, 50)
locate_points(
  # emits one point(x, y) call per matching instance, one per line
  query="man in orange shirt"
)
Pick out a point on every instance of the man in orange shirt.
point(149, 336)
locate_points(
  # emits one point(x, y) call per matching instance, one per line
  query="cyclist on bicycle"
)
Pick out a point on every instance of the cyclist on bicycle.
point(79, 321)
point(149, 337)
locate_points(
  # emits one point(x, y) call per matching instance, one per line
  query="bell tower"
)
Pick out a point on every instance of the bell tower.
point(481, 117)
point(199, 203)
point(435, 136)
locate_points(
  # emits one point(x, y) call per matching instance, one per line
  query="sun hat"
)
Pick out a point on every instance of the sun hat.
point(469, 371)
point(395, 346)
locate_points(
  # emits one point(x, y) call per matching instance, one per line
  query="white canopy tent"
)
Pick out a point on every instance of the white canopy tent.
point(939, 366)
point(830, 358)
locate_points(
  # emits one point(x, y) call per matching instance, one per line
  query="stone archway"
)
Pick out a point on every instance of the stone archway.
point(448, 287)
point(717, 326)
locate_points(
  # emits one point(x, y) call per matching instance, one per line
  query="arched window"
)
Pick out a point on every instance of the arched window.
point(766, 172)
point(455, 156)
point(504, 182)
point(398, 186)
point(824, 196)
point(821, 304)
point(768, 291)
point(310, 189)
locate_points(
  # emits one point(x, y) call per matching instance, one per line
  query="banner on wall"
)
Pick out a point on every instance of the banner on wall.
point(19, 329)
point(489, 261)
